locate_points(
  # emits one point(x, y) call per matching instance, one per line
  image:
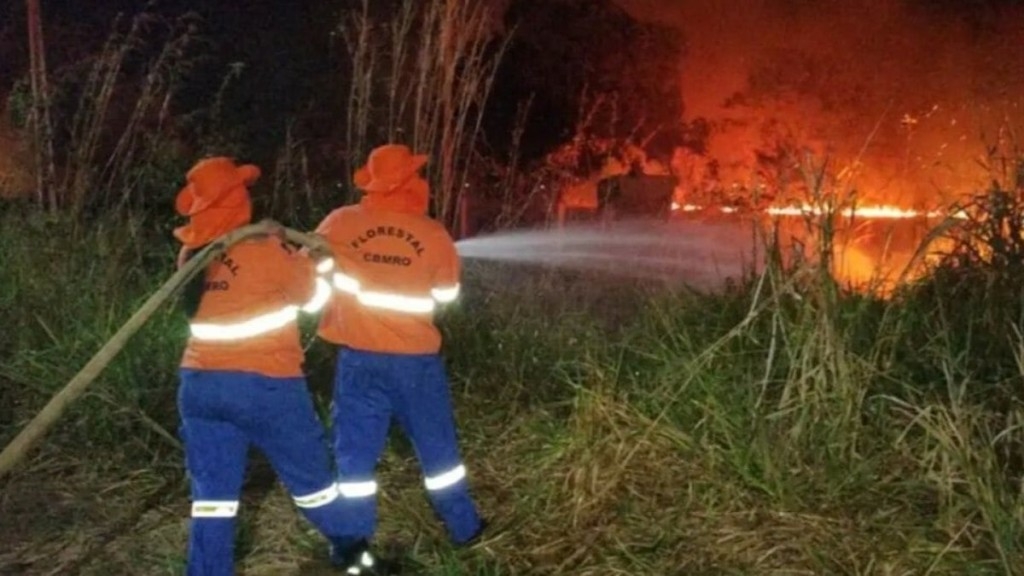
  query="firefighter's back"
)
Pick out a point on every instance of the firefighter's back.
point(394, 269)
point(247, 318)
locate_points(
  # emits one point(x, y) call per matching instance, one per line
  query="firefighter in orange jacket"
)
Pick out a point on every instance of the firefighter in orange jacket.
point(241, 374)
point(395, 266)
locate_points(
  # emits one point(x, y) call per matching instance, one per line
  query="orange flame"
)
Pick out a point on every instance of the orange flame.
point(881, 211)
point(861, 257)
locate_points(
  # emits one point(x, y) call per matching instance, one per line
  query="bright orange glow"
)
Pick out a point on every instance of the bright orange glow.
point(873, 246)
point(879, 212)
point(911, 116)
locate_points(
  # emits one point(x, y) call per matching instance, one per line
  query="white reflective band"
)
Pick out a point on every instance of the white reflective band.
point(322, 295)
point(346, 283)
point(324, 266)
point(365, 561)
point(396, 302)
point(445, 480)
point(249, 328)
point(214, 508)
point(357, 489)
point(317, 499)
point(445, 295)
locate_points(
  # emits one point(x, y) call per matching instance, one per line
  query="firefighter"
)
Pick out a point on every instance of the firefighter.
point(242, 382)
point(395, 266)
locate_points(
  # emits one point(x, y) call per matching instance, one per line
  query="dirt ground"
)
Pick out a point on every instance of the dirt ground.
point(104, 517)
point(58, 518)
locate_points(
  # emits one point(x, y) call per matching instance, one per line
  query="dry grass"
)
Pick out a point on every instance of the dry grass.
point(421, 74)
point(61, 513)
point(107, 113)
point(597, 490)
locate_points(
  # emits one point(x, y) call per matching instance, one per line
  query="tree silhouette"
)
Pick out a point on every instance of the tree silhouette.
point(593, 73)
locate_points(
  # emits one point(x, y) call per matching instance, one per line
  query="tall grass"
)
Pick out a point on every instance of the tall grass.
point(421, 73)
point(110, 112)
point(66, 299)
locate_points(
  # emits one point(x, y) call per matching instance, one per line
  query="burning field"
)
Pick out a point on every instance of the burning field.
point(914, 105)
point(907, 109)
point(909, 97)
point(866, 252)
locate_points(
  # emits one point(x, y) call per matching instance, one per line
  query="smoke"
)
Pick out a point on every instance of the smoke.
point(906, 92)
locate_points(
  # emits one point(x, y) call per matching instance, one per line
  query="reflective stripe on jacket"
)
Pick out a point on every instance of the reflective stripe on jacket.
point(394, 270)
point(247, 319)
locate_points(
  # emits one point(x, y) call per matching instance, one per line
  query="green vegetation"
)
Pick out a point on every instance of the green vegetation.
point(784, 426)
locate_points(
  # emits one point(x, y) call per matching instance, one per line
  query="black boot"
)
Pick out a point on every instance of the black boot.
point(356, 559)
point(475, 537)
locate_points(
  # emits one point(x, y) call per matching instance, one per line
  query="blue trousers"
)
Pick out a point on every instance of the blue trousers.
point(222, 415)
point(369, 390)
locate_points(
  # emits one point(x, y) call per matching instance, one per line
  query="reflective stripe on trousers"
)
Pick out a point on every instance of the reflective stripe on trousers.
point(371, 389)
point(445, 479)
point(317, 499)
point(214, 508)
point(352, 490)
point(442, 481)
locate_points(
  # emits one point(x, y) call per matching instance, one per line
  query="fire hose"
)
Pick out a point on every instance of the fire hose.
point(18, 448)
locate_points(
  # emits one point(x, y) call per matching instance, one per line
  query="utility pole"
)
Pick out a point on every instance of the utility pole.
point(40, 117)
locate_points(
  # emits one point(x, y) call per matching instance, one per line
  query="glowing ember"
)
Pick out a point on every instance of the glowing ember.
point(880, 212)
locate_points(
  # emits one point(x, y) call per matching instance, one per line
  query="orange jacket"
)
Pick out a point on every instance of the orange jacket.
point(247, 319)
point(393, 269)
point(395, 264)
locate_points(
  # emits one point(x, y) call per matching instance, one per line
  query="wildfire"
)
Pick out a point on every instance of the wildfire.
point(686, 207)
point(881, 212)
